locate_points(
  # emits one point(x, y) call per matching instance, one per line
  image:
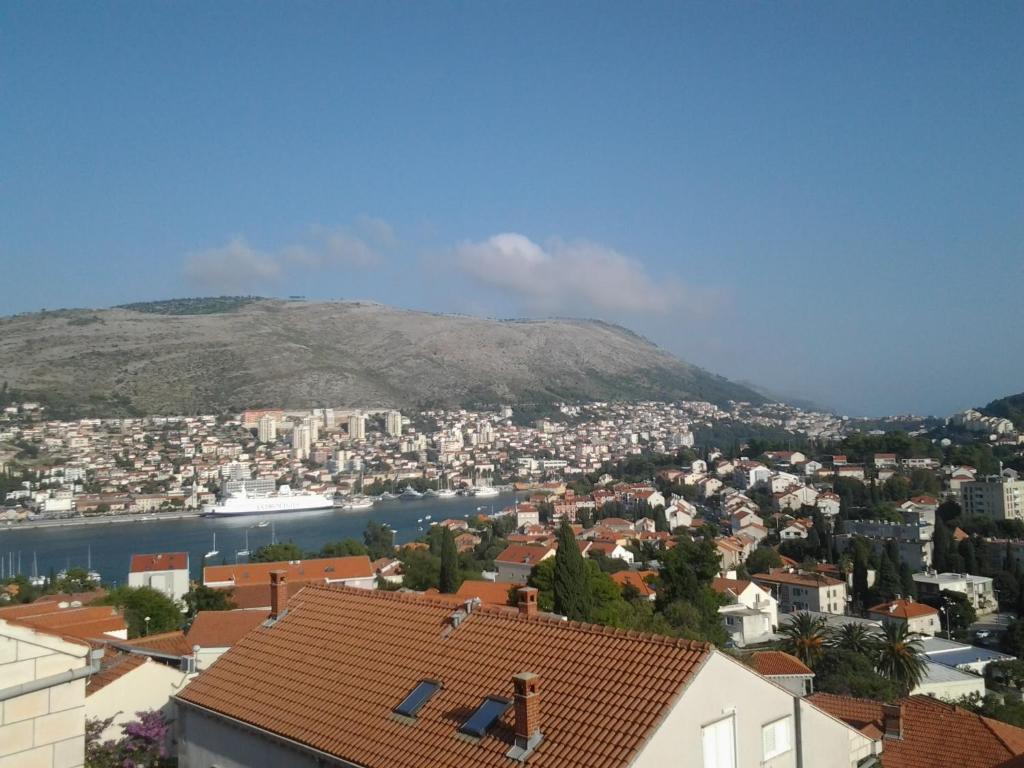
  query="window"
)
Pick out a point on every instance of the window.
point(718, 741)
point(490, 710)
point(775, 738)
point(419, 696)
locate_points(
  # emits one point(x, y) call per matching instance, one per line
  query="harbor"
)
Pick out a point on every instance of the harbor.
point(111, 542)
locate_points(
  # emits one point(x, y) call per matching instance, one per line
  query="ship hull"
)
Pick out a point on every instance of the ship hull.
point(264, 507)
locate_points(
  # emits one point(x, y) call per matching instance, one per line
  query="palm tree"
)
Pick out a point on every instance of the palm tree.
point(899, 656)
point(858, 638)
point(804, 637)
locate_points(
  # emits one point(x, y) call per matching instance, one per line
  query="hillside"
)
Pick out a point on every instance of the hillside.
point(234, 353)
point(1010, 407)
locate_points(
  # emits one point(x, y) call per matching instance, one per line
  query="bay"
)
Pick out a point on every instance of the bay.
point(110, 546)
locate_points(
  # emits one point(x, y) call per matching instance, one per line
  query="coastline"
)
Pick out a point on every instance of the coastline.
point(75, 522)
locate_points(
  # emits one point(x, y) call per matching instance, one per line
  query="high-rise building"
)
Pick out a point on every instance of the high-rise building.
point(301, 442)
point(996, 497)
point(357, 426)
point(329, 418)
point(313, 425)
point(267, 429)
point(393, 423)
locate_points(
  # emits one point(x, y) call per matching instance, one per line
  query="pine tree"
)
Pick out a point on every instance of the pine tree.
point(571, 578)
point(449, 580)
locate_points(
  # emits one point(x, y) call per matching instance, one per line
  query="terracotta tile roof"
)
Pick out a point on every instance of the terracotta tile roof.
point(222, 629)
point(170, 643)
point(903, 609)
point(84, 622)
point(799, 579)
point(935, 734)
point(167, 561)
point(769, 663)
point(489, 592)
point(525, 554)
point(636, 579)
point(258, 595)
point(115, 665)
point(331, 568)
point(368, 649)
point(736, 586)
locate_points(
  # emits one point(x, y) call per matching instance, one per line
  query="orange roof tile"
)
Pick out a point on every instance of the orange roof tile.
point(903, 609)
point(636, 579)
point(331, 568)
point(769, 663)
point(170, 643)
point(83, 622)
point(222, 629)
point(489, 592)
point(935, 734)
point(115, 665)
point(369, 649)
point(527, 554)
point(168, 561)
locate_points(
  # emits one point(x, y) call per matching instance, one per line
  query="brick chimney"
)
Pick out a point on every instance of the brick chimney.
point(526, 600)
point(527, 714)
point(892, 721)
point(278, 593)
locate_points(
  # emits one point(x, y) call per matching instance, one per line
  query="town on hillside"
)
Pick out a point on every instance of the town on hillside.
point(817, 595)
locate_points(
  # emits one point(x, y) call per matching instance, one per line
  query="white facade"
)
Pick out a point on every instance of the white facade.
point(174, 582)
point(42, 699)
point(149, 686)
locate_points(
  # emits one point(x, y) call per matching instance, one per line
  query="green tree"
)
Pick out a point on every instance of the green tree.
point(421, 570)
point(888, 584)
point(343, 548)
point(900, 657)
point(762, 559)
point(942, 541)
point(203, 598)
point(379, 540)
point(138, 603)
point(804, 636)
point(448, 579)
point(859, 638)
point(851, 673)
point(274, 553)
point(571, 578)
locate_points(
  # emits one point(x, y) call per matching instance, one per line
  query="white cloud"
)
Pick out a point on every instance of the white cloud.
point(568, 276)
point(237, 266)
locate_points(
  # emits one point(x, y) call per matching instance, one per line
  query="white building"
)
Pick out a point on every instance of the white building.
point(267, 429)
point(393, 423)
point(999, 498)
point(979, 589)
point(357, 426)
point(165, 572)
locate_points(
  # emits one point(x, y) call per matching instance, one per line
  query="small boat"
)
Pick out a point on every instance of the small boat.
point(361, 502)
point(426, 517)
point(410, 493)
point(486, 491)
point(213, 552)
point(386, 496)
point(262, 524)
point(430, 493)
point(446, 493)
point(244, 552)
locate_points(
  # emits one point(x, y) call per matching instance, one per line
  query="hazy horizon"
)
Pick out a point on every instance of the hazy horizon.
point(826, 201)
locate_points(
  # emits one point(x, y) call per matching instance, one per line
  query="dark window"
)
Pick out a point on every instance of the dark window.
point(490, 710)
point(419, 696)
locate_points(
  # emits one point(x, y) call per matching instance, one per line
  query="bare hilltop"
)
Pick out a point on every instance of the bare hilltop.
point(192, 356)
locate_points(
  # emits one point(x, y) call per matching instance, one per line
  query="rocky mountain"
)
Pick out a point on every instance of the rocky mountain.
point(212, 355)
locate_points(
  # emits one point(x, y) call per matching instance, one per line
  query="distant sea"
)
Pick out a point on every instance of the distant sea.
point(110, 547)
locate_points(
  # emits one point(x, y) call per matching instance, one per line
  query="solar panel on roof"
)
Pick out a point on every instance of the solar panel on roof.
point(419, 696)
point(490, 710)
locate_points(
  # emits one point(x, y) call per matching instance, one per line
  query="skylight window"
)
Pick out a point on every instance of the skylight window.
point(480, 721)
point(419, 696)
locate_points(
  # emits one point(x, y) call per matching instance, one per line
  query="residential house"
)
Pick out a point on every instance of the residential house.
point(350, 571)
point(978, 589)
point(828, 503)
point(402, 681)
point(785, 669)
point(799, 591)
point(517, 560)
point(922, 732)
point(165, 572)
point(751, 614)
point(919, 618)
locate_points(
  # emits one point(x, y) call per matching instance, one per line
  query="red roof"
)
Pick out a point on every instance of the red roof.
point(170, 643)
point(329, 568)
point(167, 561)
point(935, 734)
point(369, 649)
point(84, 622)
point(222, 629)
point(772, 663)
point(488, 592)
point(904, 609)
point(525, 554)
point(636, 579)
point(114, 666)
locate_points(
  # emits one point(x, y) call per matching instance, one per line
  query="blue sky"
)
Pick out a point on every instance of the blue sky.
point(826, 199)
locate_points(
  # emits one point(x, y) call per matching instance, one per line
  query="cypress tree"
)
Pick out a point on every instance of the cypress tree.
point(907, 580)
point(571, 577)
point(888, 584)
point(941, 541)
point(967, 552)
point(449, 580)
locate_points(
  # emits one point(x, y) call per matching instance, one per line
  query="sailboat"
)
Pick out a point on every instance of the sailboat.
point(36, 580)
point(93, 575)
point(244, 552)
point(213, 552)
point(446, 492)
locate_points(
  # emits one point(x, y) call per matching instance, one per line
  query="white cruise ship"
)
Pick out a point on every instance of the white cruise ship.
point(285, 500)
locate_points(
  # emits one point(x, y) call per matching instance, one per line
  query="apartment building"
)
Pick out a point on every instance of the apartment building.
point(999, 498)
point(799, 591)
